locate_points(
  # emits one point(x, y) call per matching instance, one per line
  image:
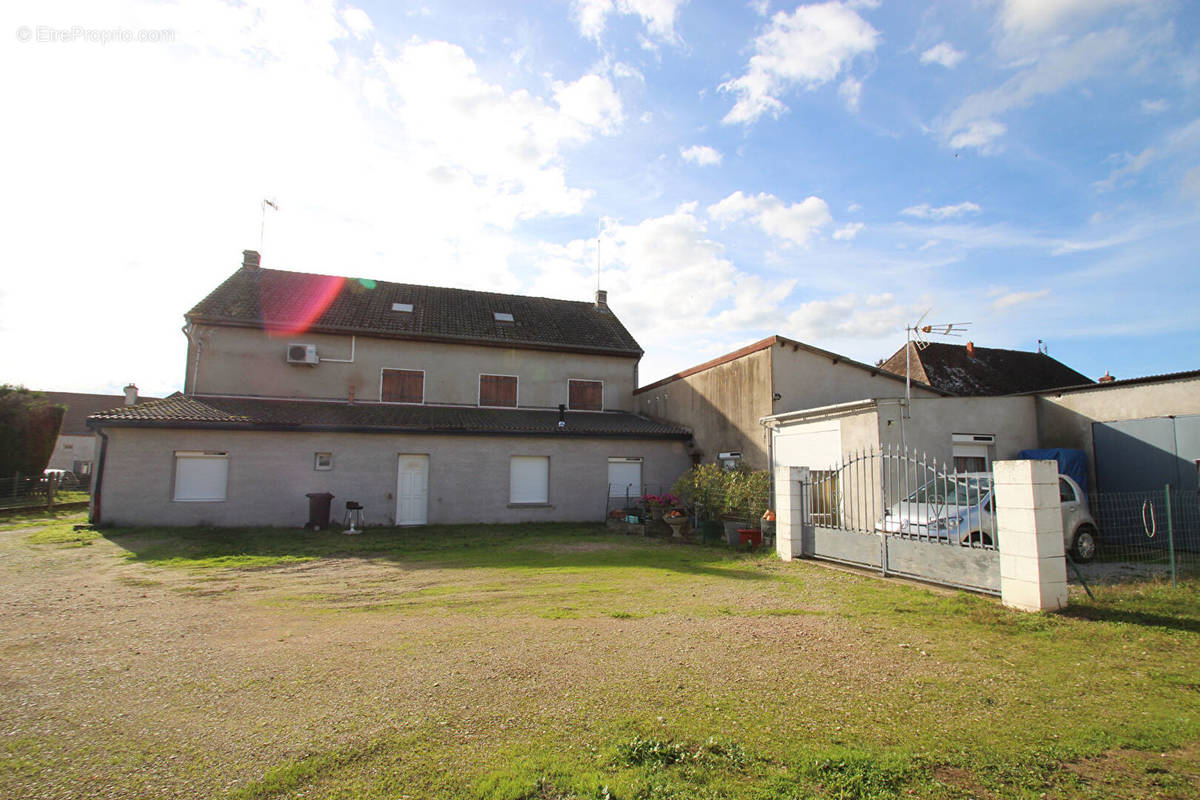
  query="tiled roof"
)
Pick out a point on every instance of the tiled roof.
point(80, 406)
point(988, 371)
point(295, 302)
point(180, 411)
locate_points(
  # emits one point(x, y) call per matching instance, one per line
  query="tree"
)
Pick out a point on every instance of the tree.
point(29, 426)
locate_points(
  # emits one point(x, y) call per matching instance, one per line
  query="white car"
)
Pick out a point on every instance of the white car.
point(958, 509)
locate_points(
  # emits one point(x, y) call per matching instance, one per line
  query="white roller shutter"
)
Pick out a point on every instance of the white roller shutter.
point(529, 479)
point(200, 476)
point(817, 445)
point(625, 477)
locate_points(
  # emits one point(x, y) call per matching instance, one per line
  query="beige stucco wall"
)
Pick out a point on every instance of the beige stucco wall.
point(721, 406)
point(244, 361)
point(804, 379)
point(933, 422)
point(1065, 420)
point(270, 473)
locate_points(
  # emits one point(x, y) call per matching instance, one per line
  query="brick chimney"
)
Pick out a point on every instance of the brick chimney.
point(601, 299)
point(130, 395)
point(1106, 378)
point(250, 259)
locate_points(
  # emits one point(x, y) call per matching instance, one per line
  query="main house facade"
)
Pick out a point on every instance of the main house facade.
point(422, 404)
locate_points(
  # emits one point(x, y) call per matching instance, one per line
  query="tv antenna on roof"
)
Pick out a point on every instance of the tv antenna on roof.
point(917, 334)
point(266, 201)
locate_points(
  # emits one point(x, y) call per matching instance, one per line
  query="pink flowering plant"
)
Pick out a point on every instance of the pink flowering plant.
point(666, 500)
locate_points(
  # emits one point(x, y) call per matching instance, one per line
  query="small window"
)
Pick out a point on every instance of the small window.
point(529, 479)
point(498, 390)
point(585, 395)
point(401, 306)
point(503, 316)
point(1066, 493)
point(201, 476)
point(402, 386)
point(971, 458)
point(323, 462)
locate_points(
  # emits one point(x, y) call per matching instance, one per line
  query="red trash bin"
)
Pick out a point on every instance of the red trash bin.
point(750, 536)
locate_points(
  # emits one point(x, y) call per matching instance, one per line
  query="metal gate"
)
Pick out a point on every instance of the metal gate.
point(904, 514)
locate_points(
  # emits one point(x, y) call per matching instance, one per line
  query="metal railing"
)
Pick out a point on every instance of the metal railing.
point(905, 494)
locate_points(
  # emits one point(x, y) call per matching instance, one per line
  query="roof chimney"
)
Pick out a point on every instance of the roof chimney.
point(970, 349)
point(250, 259)
point(1106, 378)
point(601, 298)
point(130, 395)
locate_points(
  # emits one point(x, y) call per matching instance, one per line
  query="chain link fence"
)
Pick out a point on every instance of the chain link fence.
point(1143, 535)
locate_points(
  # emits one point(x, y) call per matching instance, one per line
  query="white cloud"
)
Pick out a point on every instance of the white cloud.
point(701, 155)
point(795, 223)
point(854, 208)
point(973, 123)
point(357, 21)
point(980, 134)
point(760, 7)
point(658, 16)
point(850, 316)
point(1018, 298)
point(851, 92)
point(805, 49)
point(943, 53)
point(1156, 106)
point(663, 275)
point(848, 232)
point(1041, 17)
point(926, 211)
point(591, 101)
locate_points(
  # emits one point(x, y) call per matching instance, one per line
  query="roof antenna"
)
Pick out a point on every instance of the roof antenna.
point(916, 335)
point(599, 236)
point(1042, 348)
point(266, 201)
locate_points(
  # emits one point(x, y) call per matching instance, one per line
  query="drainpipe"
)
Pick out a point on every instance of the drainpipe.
point(99, 478)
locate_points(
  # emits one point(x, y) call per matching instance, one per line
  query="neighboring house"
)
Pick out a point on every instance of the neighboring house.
point(722, 400)
point(970, 371)
point(423, 404)
point(74, 449)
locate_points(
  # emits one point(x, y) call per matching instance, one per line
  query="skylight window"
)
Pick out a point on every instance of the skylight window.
point(401, 306)
point(503, 316)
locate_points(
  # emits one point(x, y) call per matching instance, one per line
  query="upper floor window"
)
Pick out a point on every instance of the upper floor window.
point(585, 395)
point(498, 390)
point(402, 386)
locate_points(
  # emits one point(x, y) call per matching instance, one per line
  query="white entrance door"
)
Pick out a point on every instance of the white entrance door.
point(412, 490)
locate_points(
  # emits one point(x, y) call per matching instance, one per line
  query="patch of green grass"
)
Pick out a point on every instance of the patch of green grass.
point(63, 534)
point(38, 517)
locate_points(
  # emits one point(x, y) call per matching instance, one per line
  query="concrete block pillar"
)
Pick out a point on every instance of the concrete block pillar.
point(789, 510)
point(1033, 566)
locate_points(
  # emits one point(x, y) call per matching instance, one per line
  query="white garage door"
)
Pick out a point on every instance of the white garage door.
point(817, 445)
point(625, 477)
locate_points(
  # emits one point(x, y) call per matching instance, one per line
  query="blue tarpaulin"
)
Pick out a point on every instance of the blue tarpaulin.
point(1072, 463)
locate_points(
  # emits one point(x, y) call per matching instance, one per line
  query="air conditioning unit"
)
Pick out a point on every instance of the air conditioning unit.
point(302, 354)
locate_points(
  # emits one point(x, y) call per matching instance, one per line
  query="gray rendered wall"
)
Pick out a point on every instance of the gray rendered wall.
point(270, 473)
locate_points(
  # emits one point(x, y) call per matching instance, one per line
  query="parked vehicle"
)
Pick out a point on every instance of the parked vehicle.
point(65, 478)
point(959, 509)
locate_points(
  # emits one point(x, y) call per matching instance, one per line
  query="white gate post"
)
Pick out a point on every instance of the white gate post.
point(1033, 566)
point(789, 510)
